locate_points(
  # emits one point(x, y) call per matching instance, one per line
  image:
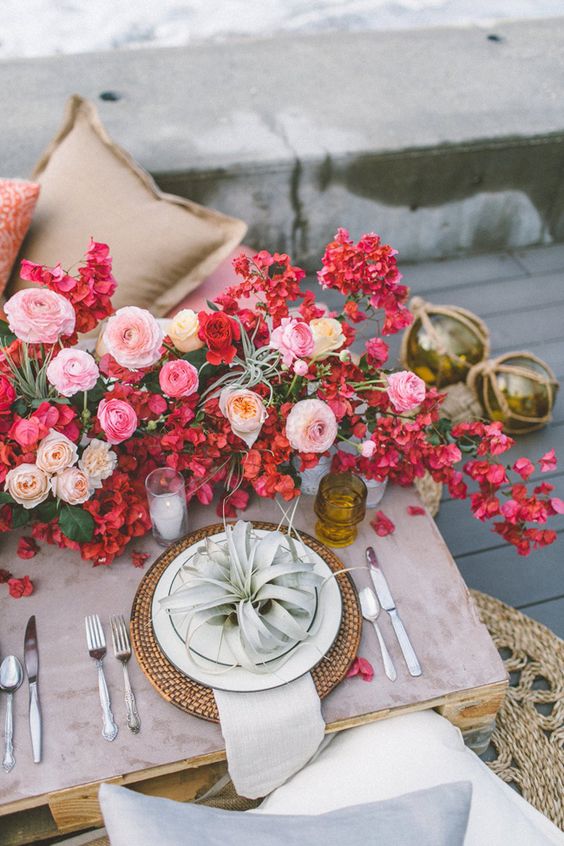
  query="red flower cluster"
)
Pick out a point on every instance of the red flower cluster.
point(90, 292)
point(367, 269)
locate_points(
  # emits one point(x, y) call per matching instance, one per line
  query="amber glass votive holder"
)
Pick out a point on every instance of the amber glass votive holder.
point(340, 506)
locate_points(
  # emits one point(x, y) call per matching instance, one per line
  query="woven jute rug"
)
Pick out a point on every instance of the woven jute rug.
point(527, 745)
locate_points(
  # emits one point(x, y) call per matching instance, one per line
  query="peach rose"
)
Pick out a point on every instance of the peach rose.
point(183, 331)
point(293, 339)
point(27, 484)
point(327, 336)
point(55, 452)
point(178, 378)
point(98, 461)
point(71, 371)
point(134, 337)
point(72, 486)
point(40, 316)
point(405, 390)
point(245, 411)
point(311, 426)
point(117, 419)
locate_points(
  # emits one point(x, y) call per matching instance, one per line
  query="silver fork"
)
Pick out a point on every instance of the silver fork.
point(122, 651)
point(97, 650)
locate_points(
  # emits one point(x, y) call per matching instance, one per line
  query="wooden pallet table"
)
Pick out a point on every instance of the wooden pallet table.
point(179, 756)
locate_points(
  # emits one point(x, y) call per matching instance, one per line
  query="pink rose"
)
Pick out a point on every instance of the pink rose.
point(134, 337)
point(367, 449)
point(40, 316)
point(245, 411)
point(117, 419)
point(178, 378)
point(293, 338)
point(56, 452)
point(72, 371)
point(405, 390)
point(311, 426)
point(72, 486)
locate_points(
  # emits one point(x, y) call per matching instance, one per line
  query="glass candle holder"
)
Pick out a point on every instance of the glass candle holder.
point(167, 504)
point(340, 506)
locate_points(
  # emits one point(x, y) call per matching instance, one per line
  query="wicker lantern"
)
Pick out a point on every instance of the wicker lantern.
point(443, 342)
point(517, 388)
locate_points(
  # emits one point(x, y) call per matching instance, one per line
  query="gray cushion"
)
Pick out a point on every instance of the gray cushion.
point(435, 817)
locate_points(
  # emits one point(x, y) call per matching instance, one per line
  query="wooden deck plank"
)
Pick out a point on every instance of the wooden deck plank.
point(541, 259)
point(457, 273)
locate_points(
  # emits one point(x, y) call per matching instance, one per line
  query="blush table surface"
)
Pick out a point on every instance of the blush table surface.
point(461, 666)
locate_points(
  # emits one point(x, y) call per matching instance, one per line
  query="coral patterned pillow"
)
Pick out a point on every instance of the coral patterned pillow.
point(17, 202)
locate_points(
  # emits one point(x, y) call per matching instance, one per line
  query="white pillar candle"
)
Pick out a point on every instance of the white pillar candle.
point(167, 514)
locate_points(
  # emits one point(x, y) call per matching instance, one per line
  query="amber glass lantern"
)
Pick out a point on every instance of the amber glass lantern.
point(516, 388)
point(443, 342)
point(340, 505)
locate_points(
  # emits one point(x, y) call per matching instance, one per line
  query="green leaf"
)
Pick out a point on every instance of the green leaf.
point(76, 524)
point(20, 407)
point(46, 511)
point(212, 306)
point(20, 517)
point(196, 357)
point(6, 335)
point(40, 400)
point(5, 497)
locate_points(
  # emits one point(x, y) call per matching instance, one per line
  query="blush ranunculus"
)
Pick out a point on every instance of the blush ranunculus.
point(178, 378)
point(245, 411)
point(219, 332)
point(27, 484)
point(117, 419)
point(40, 316)
point(55, 453)
point(293, 339)
point(183, 331)
point(367, 449)
point(300, 367)
point(405, 390)
point(71, 371)
point(311, 426)
point(98, 461)
point(133, 337)
point(327, 336)
point(72, 486)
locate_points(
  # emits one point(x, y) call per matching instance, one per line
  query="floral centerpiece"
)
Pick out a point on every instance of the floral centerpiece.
point(230, 397)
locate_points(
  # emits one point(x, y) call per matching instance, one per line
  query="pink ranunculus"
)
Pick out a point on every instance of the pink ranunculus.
point(293, 339)
point(178, 378)
point(311, 426)
point(405, 390)
point(117, 419)
point(245, 411)
point(71, 371)
point(134, 337)
point(367, 449)
point(40, 316)
point(300, 367)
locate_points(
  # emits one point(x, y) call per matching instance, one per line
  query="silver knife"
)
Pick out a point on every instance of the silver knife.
point(31, 659)
point(388, 604)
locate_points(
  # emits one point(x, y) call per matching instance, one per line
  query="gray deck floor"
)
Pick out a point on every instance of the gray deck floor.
point(521, 297)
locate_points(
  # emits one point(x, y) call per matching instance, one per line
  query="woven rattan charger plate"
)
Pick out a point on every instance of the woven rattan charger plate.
point(193, 697)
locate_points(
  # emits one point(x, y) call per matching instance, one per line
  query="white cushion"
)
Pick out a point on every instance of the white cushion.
point(403, 754)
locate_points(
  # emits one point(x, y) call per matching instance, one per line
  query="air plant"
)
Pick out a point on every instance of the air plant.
point(258, 589)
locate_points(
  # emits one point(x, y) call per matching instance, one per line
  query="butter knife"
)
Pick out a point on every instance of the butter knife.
point(387, 602)
point(31, 659)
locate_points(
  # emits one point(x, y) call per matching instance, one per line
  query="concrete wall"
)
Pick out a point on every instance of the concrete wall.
point(444, 141)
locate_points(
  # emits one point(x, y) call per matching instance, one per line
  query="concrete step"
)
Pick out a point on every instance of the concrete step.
point(443, 140)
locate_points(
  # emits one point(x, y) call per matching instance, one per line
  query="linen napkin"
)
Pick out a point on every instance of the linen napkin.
point(269, 734)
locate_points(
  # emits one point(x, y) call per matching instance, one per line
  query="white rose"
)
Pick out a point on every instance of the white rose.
point(183, 331)
point(27, 484)
point(327, 336)
point(56, 452)
point(98, 461)
point(72, 486)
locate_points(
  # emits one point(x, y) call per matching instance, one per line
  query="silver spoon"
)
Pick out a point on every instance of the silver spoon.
point(11, 677)
point(370, 611)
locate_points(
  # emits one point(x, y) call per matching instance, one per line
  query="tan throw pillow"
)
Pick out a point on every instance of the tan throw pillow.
point(162, 246)
point(17, 202)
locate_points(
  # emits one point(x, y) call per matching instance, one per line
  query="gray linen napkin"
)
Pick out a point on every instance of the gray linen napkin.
point(270, 734)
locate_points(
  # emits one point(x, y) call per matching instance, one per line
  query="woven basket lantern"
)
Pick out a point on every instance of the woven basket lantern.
point(443, 342)
point(517, 388)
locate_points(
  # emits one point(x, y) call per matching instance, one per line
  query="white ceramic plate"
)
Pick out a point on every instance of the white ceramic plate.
point(169, 632)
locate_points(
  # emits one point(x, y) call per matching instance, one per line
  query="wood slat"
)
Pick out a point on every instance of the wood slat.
point(457, 273)
point(541, 259)
point(549, 613)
